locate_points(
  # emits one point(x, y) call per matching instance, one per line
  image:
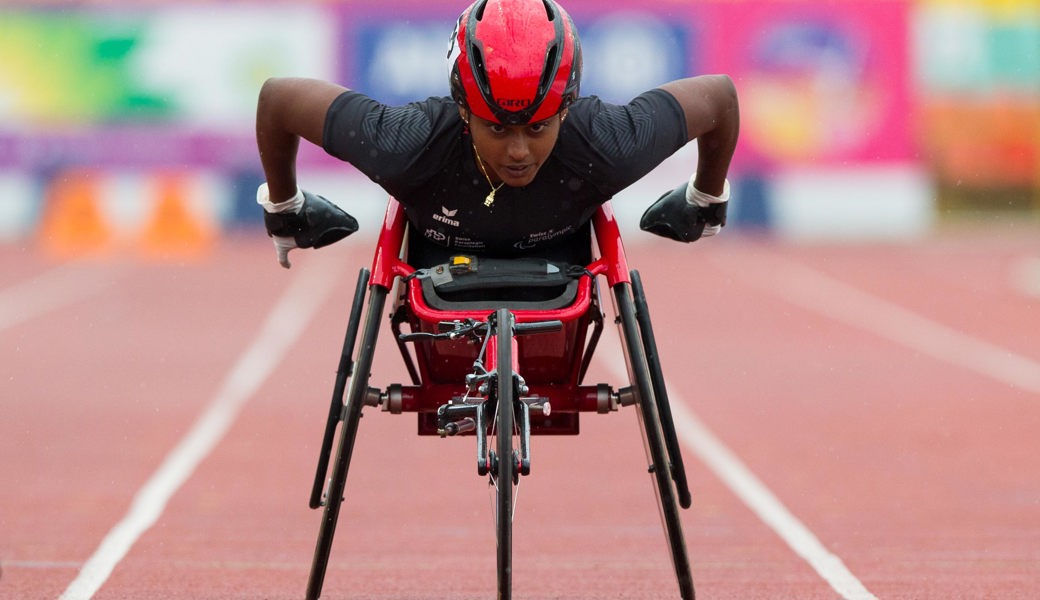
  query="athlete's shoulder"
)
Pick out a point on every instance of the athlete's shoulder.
point(356, 119)
point(648, 119)
point(440, 109)
point(358, 103)
point(594, 104)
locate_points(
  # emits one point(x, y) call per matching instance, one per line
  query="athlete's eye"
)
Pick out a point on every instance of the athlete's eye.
point(540, 126)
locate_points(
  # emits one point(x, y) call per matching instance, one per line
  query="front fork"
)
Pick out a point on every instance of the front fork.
point(475, 411)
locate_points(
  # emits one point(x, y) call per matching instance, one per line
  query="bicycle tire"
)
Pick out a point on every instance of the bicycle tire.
point(506, 468)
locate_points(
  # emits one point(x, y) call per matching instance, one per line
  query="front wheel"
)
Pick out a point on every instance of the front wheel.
point(505, 471)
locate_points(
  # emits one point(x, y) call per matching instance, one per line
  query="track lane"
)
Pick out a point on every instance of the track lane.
point(901, 464)
point(405, 551)
point(417, 522)
point(279, 329)
point(912, 469)
point(54, 482)
point(92, 403)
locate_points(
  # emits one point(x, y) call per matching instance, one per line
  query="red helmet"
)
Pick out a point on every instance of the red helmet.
point(515, 61)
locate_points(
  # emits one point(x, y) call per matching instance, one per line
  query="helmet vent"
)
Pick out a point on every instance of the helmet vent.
point(548, 10)
point(479, 70)
point(551, 63)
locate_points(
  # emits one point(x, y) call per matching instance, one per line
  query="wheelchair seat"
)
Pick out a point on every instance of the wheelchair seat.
point(547, 280)
point(471, 283)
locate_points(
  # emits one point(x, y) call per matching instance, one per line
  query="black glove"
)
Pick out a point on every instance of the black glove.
point(315, 223)
point(676, 218)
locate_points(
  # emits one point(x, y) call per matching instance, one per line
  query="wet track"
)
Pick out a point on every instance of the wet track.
point(858, 421)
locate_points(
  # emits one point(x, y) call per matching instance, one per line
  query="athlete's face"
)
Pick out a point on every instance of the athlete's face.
point(513, 154)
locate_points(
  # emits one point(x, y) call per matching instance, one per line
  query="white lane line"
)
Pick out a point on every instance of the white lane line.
point(52, 289)
point(756, 496)
point(820, 293)
point(739, 478)
point(284, 324)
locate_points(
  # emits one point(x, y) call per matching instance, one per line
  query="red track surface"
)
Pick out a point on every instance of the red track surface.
point(913, 465)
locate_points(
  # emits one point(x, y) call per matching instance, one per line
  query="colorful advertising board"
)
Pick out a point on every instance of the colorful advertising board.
point(979, 63)
point(127, 87)
point(627, 51)
point(820, 84)
point(177, 84)
point(165, 85)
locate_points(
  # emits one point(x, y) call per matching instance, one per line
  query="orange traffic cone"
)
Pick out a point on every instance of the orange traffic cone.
point(72, 224)
point(174, 230)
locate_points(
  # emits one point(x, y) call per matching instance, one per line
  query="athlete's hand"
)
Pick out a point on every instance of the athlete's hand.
point(304, 221)
point(686, 214)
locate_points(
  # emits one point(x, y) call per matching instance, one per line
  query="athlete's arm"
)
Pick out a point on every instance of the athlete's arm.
point(697, 208)
point(713, 119)
point(289, 109)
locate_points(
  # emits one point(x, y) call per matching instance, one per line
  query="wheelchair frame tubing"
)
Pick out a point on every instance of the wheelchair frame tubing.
point(506, 469)
point(654, 439)
point(351, 417)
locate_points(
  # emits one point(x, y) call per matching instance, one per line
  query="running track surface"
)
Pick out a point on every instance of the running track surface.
point(858, 422)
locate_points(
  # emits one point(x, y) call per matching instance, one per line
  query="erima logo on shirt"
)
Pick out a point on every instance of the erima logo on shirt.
point(446, 217)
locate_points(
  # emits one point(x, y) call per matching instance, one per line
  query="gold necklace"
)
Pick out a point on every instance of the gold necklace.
point(491, 195)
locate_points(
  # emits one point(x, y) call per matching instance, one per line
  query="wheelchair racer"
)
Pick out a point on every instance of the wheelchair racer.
point(514, 162)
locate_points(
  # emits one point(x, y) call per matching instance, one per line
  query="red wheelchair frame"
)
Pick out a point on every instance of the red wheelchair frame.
point(468, 364)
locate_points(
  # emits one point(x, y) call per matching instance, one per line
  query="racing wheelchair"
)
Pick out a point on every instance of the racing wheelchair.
point(498, 350)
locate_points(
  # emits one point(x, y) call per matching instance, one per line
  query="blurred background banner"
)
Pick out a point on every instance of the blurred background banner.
point(126, 86)
point(978, 84)
point(860, 118)
point(821, 86)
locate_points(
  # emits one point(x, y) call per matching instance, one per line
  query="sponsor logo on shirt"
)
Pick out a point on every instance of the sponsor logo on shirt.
point(543, 236)
point(445, 216)
point(463, 243)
